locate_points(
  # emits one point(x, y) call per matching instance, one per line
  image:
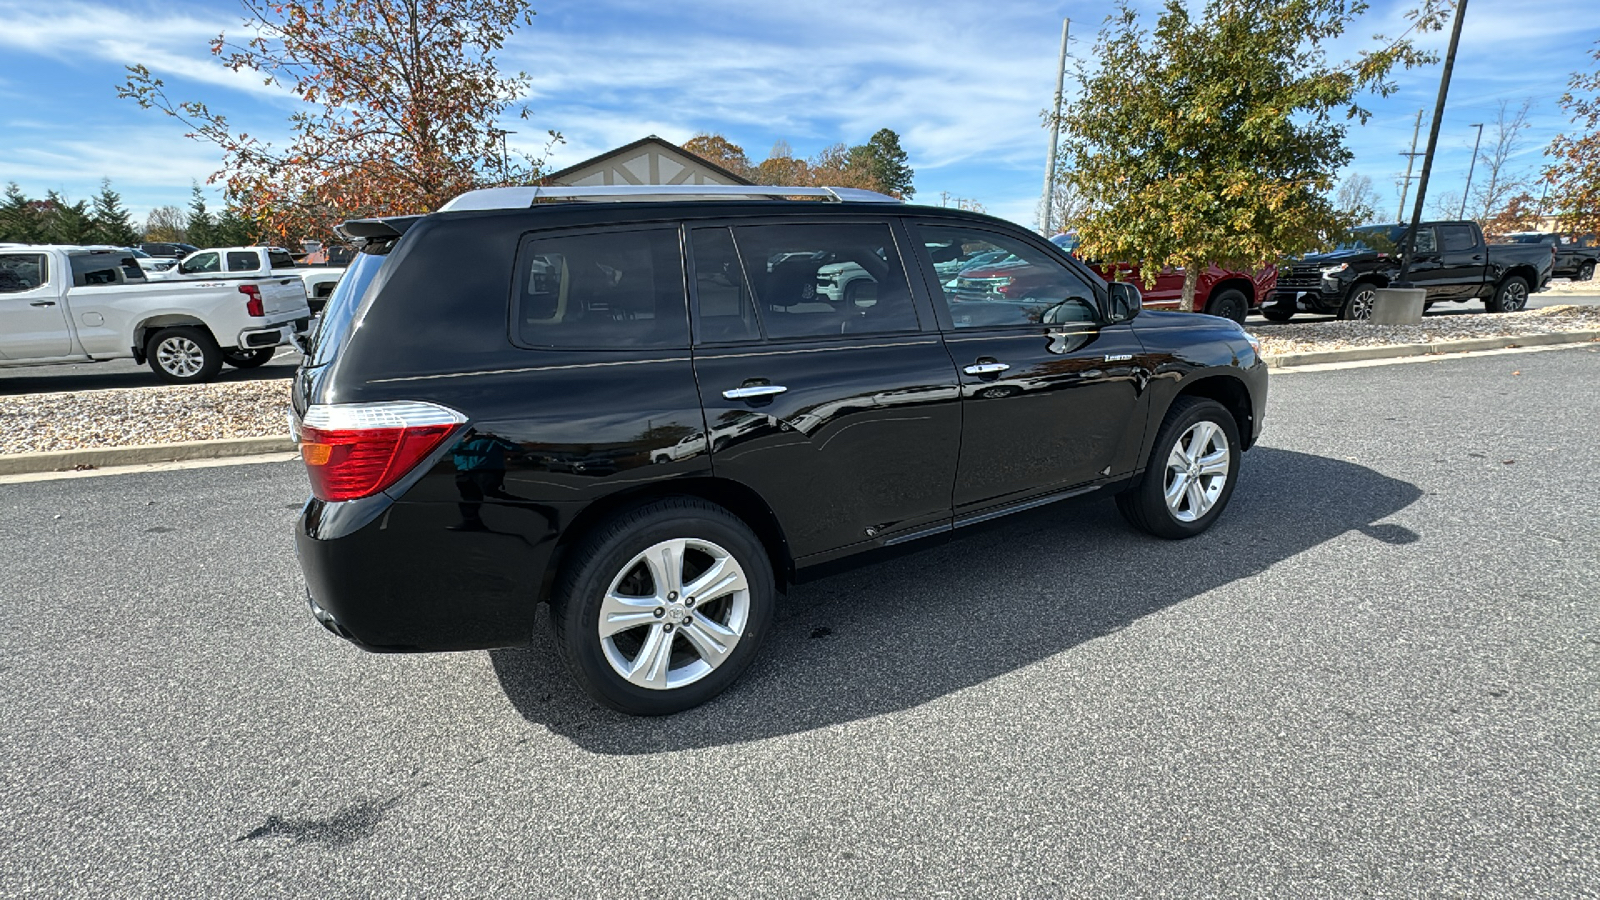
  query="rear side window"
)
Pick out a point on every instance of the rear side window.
point(243, 261)
point(601, 291)
point(23, 272)
point(819, 280)
point(1456, 237)
point(104, 268)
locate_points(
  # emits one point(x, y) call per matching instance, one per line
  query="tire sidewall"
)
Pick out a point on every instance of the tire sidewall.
point(576, 606)
point(1153, 487)
point(1587, 272)
point(1347, 311)
point(211, 354)
point(1227, 302)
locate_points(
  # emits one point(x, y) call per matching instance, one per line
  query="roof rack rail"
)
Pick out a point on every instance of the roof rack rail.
point(523, 197)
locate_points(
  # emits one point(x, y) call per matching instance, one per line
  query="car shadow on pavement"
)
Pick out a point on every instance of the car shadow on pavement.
point(910, 630)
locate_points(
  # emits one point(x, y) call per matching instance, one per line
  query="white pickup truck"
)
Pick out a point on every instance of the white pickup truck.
point(62, 304)
point(253, 262)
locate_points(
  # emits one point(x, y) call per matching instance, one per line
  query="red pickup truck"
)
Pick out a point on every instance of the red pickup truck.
point(1231, 295)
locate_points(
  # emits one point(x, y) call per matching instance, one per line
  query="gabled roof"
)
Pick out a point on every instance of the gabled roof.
point(630, 148)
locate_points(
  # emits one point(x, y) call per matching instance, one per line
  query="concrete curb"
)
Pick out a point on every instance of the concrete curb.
point(1399, 351)
point(102, 457)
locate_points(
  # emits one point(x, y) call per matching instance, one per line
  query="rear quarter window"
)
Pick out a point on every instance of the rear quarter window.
point(338, 317)
point(604, 290)
point(243, 261)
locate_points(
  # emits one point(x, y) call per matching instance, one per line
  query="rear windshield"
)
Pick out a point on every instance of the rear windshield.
point(280, 259)
point(339, 315)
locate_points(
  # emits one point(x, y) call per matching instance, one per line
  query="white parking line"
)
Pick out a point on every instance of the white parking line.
point(150, 467)
point(1439, 357)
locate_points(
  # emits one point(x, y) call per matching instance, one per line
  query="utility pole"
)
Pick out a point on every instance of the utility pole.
point(1405, 186)
point(1407, 242)
point(1474, 165)
point(1055, 132)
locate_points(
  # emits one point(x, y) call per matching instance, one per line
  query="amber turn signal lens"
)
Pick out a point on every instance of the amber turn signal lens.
point(316, 454)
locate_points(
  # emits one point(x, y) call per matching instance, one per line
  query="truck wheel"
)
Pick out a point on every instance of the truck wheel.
point(248, 359)
point(1586, 273)
point(1277, 313)
point(1510, 296)
point(1358, 303)
point(663, 608)
point(1191, 471)
point(183, 355)
point(1230, 304)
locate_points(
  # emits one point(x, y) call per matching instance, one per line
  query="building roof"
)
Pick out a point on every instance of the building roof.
point(636, 145)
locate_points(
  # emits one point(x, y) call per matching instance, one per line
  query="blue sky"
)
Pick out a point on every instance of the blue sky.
point(962, 82)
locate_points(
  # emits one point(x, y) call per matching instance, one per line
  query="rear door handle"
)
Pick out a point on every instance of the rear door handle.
point(754, 391)
point(988, 368)
point(43, 303)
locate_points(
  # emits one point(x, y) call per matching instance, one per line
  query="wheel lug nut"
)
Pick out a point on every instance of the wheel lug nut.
point(688, 620)
point(689, 602)
point(660, 611)
point(673, 595)
point(667, 628)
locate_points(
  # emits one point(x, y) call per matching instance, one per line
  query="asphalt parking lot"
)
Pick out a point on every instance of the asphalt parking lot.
point(1378, 675)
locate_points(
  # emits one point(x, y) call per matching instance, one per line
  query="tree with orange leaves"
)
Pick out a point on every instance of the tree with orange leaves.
point(1574, 176)
point(401, 105)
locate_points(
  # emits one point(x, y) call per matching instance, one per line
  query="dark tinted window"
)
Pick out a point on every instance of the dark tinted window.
point(817, 280)
point(104, 268)
point(280, 259)
point(991, 279)
point(614, 289)
point(23, 272)
point(1457, 237)
point(726, 310)
point(243, 261)
point(1425, 241)
point(340, 312)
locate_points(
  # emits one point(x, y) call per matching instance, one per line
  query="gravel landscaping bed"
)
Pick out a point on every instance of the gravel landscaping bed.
point(122, 417)
point(1318, 336)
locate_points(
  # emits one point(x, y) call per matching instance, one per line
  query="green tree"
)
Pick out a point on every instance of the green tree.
point(66, 223)
point(112, 224)
point(201, 228)
point(884, 163)
point(1574, 174)
point(1215, 139)
point(234, 229)
point(19, 218)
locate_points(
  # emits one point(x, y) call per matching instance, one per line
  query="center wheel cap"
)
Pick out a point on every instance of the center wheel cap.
point(675, 613)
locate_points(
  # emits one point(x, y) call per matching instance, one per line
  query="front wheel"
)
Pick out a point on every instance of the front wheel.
point(1277, 312)
point(183, 355)
point(1358, 303)
point(1511, 296)
point(248, 359)
point(664, 608)
point(1230, 304)
point(1586, 273)
point(1191, 472)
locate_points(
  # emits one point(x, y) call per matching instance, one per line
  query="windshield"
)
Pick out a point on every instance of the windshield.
point(1377, 238)
point(339, 315)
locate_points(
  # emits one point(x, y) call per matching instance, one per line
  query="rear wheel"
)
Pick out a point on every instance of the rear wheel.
point(1358, 302)
point(248, 359)
point(1229, 304)
point(185, 354)
point(1586, 273)
point(1510, 296)
point(1191, 471)
point(663, 608)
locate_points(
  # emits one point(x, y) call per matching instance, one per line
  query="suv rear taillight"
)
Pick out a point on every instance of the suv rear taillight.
point(354, 450)
point(253, 305)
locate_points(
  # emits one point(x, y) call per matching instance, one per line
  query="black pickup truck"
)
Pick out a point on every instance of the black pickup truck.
point(1576, 256)
point(1451, 262)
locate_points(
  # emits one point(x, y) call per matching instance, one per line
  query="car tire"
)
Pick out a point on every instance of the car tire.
point(1510, 296)
point(248, 359)
point(1195, 430)
point(1586, 273)
point(631, 638)
point(1276, 313)
point(185, 354)
point(1358, 301)
point(1229, 304)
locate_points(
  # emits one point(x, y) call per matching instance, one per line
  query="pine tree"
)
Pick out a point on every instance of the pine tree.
point(112, 224)
point(201, 228)
point(19, 220)
point(233, 229)
point(66, 223)
point(884, 161)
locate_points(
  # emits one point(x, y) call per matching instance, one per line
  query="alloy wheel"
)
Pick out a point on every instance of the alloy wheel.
point(1197, 471)
point(1361, 303)
point(180, 356)
point(1514, 297)
point(681, 588)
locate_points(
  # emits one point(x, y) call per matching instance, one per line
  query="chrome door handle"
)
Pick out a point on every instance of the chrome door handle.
point(989, 368)
point(754, 391)
point(43, 303)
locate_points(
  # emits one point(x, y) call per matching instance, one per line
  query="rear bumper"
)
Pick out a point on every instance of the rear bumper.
point(272, 336)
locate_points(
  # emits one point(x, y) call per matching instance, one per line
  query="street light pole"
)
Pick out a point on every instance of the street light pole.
point(1468, 189)
point(1410, 238)
point(1055, 132)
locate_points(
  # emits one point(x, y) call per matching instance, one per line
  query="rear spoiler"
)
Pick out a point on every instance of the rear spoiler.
point(380, 231)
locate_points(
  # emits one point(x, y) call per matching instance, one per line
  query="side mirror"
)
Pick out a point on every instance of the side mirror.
point(1126, 301)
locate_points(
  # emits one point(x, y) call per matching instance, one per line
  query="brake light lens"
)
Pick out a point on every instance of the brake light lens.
point(355, 450)
point(252, 306)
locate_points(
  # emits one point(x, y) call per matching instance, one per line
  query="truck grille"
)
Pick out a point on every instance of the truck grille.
point(1300, 278)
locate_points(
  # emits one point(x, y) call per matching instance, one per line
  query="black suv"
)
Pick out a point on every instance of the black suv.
point(657, 414)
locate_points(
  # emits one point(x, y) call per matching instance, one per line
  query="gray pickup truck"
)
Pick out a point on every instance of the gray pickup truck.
point(1451, 262)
